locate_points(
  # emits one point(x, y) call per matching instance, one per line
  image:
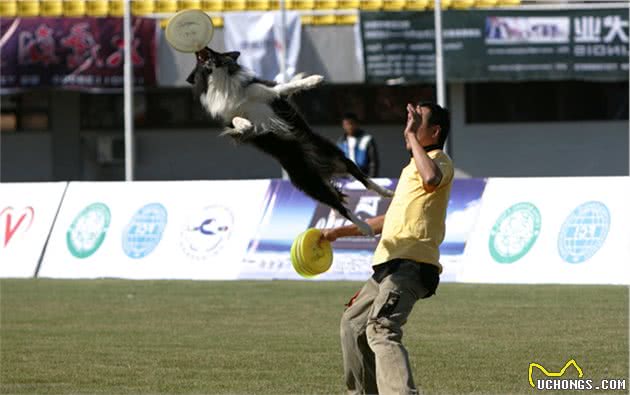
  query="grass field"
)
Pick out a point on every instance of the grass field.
point(137, 337)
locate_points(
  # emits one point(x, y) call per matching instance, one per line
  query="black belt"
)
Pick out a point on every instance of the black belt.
point(428, 274)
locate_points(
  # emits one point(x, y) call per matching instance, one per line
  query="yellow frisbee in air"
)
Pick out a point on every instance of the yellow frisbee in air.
point(189, 31)
point(310, 257)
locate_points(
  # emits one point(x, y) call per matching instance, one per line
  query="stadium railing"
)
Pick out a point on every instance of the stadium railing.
point(73, 8)
point(318, 12)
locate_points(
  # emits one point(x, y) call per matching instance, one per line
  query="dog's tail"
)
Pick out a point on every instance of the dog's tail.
point(333, 197)
point(354, 170)
point(342, 196)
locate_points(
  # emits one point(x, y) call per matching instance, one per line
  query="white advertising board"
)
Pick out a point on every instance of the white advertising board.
point(27, 212)
point(154, 230)
point(551, 230)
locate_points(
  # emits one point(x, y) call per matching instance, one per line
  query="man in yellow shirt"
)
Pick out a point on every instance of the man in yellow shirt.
point(406, 261)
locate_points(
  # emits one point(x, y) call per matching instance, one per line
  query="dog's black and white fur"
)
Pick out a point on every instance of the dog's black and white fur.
point(258, 112)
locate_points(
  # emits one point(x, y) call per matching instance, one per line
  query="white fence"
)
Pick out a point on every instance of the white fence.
point(537, 230)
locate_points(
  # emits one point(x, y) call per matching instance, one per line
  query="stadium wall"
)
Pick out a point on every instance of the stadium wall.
point(500, 230)
point(479, 150)
point(26, 157)
point(537, 149)
point(518, 149)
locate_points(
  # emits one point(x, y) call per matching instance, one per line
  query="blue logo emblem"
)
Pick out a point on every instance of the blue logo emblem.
point(584, 232)
point(206, 232)
point(144, 232)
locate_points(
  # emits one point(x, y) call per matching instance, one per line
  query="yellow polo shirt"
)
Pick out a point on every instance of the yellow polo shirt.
point(415, 220)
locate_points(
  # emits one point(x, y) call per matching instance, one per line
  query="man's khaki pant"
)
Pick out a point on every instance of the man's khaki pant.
point(374, 359)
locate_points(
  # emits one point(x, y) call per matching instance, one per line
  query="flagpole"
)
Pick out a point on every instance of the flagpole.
point(439, 55)
point(283, 41)
point(128, 92)
point(439, 61)
point(283, 55)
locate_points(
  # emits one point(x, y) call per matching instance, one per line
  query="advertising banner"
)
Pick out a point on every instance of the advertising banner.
point(287, 213)
point(155, 230)
point(258, 37)
point(27, 213)
point(82, 53)
point(497, 45)
point(353, 255)
point(461, 215)
point(551, 230)
point(290, 212)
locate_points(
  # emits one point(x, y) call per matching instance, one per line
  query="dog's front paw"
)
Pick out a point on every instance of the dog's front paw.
point(298, 76)
point(242, 125)
point(313, 81)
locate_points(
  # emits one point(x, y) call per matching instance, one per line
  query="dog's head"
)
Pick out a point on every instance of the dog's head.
point(208, 61)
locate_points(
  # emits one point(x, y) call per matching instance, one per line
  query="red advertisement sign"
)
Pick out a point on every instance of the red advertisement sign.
point(74, 52)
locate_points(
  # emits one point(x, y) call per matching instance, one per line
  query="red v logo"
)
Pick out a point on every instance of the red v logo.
point(10, 222)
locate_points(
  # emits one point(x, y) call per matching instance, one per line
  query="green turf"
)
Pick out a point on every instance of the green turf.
point(135, 337)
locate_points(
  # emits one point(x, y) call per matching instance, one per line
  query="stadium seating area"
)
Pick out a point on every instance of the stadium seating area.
point(102, 8)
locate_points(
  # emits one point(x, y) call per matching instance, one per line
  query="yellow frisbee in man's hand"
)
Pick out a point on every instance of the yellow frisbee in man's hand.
point(316, 256)
point(296, 262)
point(309, 255)
point(189, 30)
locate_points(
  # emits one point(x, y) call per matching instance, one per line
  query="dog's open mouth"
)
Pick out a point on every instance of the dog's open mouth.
point(203, 55)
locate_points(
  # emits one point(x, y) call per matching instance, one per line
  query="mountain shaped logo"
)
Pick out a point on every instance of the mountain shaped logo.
point(553, 374)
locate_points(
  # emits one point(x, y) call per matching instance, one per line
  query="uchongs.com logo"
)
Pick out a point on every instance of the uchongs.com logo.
point(563, 380)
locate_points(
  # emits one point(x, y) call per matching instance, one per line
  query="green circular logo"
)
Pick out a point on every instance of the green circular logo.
point(88, 230)
point(514, 233)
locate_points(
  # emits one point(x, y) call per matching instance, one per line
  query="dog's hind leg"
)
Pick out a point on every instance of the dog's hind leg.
point(354, 170)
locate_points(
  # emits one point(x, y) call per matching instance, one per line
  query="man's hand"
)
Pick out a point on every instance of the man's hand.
point(413, 121)
point(329, 234)
point(429, 171)
point(332, 234)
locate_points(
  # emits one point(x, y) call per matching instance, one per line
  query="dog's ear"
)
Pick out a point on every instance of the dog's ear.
point(233, 55)
point(191, 77)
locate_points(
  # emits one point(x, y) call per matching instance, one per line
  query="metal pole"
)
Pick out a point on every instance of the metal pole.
point(439, 55)
point(128, 91)
point(283, 42)
point(439, 63)
point(1, 134)
point(629, 103)
point(283, 55)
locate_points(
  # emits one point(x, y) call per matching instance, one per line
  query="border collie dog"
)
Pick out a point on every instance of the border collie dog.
point(258, 112)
